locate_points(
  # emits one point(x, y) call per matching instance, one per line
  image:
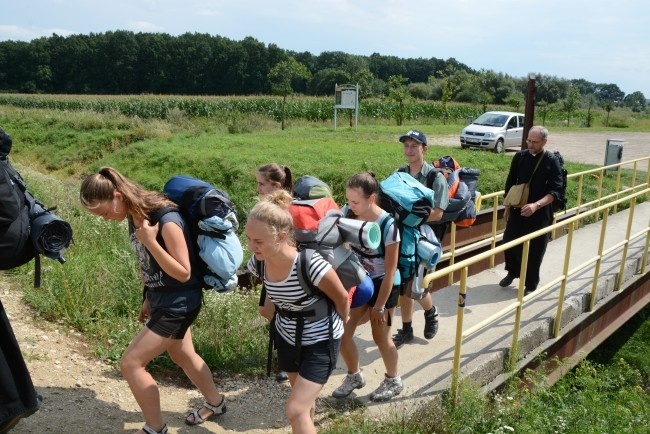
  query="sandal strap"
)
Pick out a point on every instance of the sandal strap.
point(216, 409)
point(148, 430)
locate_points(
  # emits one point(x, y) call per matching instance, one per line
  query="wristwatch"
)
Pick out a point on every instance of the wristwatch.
point(539, 205)
point(379, 309)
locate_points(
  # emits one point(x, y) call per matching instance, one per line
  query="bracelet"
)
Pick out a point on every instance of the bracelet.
point(380, 309)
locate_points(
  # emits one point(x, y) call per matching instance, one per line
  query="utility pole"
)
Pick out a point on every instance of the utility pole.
point(530, 109)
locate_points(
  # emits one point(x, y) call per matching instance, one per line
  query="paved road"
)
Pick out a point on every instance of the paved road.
point(581, 147)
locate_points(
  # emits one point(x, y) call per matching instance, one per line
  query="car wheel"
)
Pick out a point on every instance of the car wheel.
point(498, 148)
point(464, 146)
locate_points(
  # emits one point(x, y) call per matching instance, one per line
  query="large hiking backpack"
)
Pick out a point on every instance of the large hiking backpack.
point(316, 227)
point(27, 228)
point(561, 203)
point(212, 220)
point(309, 187)
point(409, 203)
point(16, 247)
point(463, 195)
point(404, 198)
point(419, 250)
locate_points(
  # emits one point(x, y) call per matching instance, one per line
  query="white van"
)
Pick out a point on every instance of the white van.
point(495, 131)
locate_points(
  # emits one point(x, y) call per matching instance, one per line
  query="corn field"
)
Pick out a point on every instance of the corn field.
point(311, 109)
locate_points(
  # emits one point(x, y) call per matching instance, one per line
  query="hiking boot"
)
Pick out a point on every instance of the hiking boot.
point(387, 389)
point(350, 382)
point(431, 323)
point(402, 337)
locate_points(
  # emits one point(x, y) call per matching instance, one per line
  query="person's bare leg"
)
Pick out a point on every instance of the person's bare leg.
point(182, 352)
point(144, 348)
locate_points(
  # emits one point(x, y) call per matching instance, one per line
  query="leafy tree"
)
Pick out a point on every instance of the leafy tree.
point(590, 102)
point(570, 103)
point(515, 101)
point(283, 75)
point(611, 92)
point(608, 105)
point(550, 88)
point(420, 90)
point(450, 87)
point(543, 108)
point(323, 81)
point(635, 101)
point(398, 92)
point(383, 67)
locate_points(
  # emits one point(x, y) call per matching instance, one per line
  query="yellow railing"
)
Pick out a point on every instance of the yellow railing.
point(496, 198)
point(569, 224)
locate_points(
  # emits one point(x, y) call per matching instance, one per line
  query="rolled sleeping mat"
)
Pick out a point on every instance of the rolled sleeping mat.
point(50, 233)
point(362, 293)
point(360, 233)
point(429, 253)
point(429, 249)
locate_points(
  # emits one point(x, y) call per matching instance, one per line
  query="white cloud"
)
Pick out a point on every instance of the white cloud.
point(144, 26)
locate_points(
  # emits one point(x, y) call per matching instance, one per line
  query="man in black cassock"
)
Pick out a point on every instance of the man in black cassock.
point(542, 169)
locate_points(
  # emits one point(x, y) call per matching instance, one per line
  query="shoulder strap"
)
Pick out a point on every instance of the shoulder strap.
point(536, 166)
point(259, 267)
point(384, 227)
point(157, 215)
point(304, 278)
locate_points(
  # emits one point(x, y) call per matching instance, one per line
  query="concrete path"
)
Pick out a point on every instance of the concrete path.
point(426, 366)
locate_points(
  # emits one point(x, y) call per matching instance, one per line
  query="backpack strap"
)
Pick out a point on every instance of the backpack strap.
point(155, 216)
point(259, 267)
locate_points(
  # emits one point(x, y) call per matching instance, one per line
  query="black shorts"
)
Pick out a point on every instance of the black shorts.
point(171, 324)
point(316, 361)
point(393, 298)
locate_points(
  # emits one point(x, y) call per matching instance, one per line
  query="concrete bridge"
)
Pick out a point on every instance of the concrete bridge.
point(621, 289)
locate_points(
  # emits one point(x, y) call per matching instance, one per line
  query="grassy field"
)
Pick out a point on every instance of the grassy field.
point(98, 292)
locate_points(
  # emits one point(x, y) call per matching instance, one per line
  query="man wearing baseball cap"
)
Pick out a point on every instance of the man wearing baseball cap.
point(415, 146)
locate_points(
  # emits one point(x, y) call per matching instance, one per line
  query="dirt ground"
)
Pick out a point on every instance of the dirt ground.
point(82, 394)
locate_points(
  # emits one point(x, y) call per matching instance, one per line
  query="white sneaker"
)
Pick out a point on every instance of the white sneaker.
point(387, 389)
point(350, 382)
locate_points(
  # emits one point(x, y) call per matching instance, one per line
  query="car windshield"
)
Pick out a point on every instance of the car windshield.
point(491, 120)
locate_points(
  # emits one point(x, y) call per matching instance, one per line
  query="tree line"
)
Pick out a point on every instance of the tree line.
point(124, 62)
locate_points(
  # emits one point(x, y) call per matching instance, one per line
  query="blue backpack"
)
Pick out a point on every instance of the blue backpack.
point(409, 203)
point(212, 220)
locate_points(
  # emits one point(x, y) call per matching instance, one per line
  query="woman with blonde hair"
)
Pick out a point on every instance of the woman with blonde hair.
point(307, 344)
point(172, 293)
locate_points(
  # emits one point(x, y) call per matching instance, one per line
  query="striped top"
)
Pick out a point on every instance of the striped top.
point(286, 293)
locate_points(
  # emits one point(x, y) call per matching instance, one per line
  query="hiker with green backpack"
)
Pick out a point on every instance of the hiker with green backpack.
point(307, 326)
point(415, 146)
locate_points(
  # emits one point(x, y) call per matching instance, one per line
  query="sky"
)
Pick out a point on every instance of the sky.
point(596, 40)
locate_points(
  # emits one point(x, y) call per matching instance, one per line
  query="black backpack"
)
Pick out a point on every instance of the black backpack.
point(561, 203)
point(27, 227)
point(16, 247)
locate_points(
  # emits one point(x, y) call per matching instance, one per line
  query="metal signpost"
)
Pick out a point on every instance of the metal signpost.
point(346, 96)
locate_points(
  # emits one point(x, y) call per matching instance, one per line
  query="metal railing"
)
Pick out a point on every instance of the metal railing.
point(581, 212)
point(496, 198)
